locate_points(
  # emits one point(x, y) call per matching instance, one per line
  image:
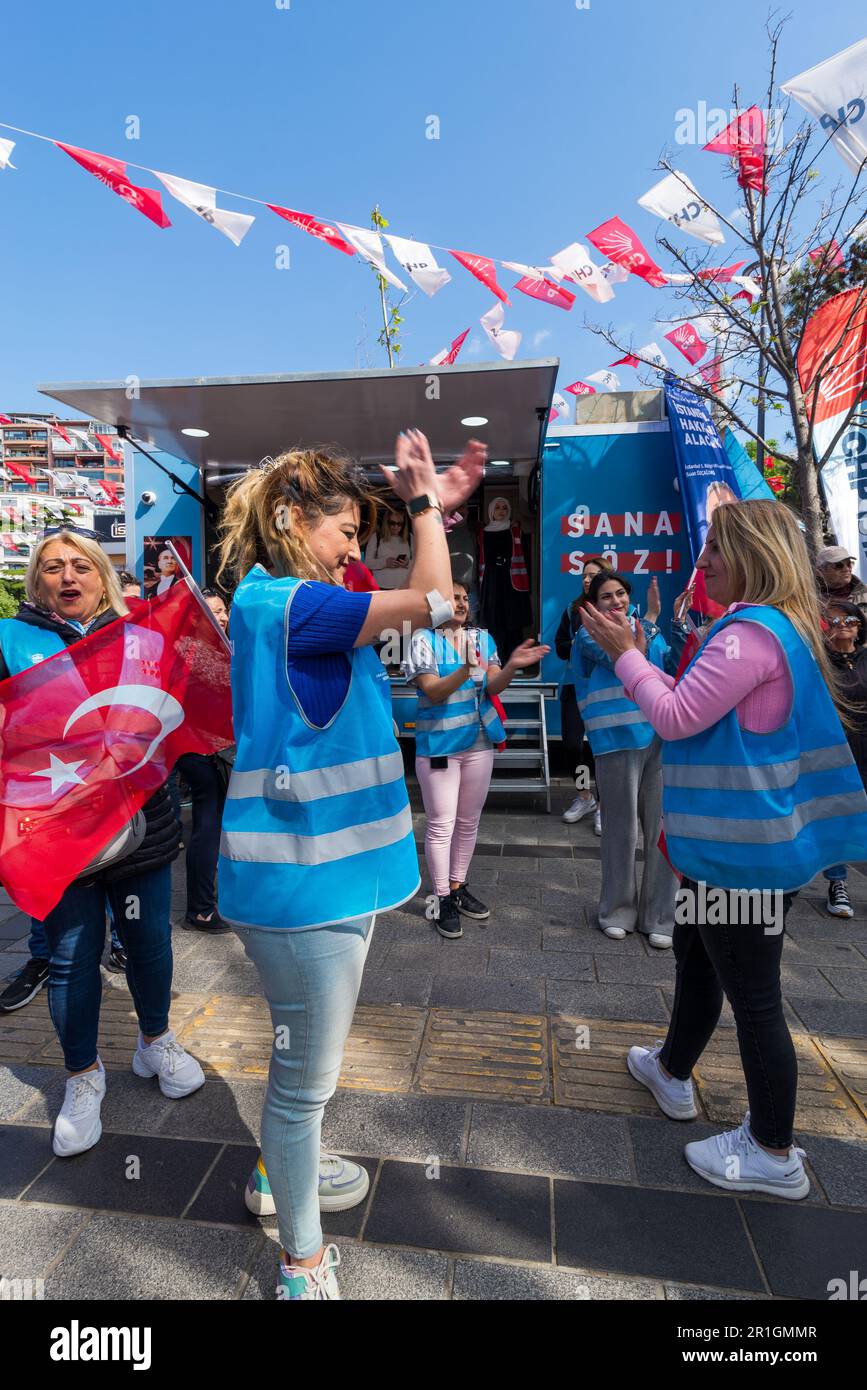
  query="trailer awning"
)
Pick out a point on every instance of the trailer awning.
point(247, 418)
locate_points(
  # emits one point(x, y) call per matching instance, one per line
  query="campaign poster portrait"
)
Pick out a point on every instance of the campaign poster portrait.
point(161, 569)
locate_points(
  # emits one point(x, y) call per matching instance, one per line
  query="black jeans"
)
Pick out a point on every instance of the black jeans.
point(743, 962)
point(572, 729)
point(208, 790)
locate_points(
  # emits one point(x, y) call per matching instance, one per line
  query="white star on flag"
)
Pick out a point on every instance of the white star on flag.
point(419, 261)
point(6, 148)
point(61, 772)
point(202, 200)
point(505, 340)
point(369, 246)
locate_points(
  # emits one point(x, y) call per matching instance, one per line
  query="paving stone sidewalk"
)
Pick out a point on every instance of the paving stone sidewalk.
point(484, 1087)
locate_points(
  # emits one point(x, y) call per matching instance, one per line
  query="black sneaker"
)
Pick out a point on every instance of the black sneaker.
point(117, 959)
point(449, 921)
point(468, 905)
point(24, 986)
point(838, 903)
point(211, 926)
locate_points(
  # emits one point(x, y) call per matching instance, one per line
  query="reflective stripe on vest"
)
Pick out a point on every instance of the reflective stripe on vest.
point(454, 724)
point(317, 827)
point(611, 721)
point(768, 811)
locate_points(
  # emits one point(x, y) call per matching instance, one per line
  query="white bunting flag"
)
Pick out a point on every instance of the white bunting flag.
point(835, 93)
point(505, 340)
point(91, 490)
point(419, 261)
point(368, 244)
point(61, 479)
point(676, 199)
point(559, 409)
point(652, 355)
point(535, 272)
point(748, 285)
point(575, 263)
point(6, 148)
point(202, 200)
point(610, 380)
point(614, 274)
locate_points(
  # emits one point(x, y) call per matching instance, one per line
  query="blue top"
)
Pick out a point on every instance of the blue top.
point(323, 624)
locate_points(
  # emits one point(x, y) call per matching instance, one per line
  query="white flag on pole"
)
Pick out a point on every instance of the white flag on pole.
point(835, 93)
point(610, 380)
point(6, 148)
point(575, 263)
point(419, 261)
point(202, 200)
point(368, 244)
point(535, 272)
point(652, 355)
point(505, 340)
point(559, 408)
point(614, 274)
point(676, 199)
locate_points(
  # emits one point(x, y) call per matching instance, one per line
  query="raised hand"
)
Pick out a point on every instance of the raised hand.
point(461, 480)
point(529, 653)
point(654, 602)
point(415, 471)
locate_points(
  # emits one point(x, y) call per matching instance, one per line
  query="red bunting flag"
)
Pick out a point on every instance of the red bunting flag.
point(112, 172)
point(448, 356)
point(546, 291)
point(91, 733)
point(722, 274)
point(58, 429)
point(687, 341)
point(711, 372)
point(4, 420)
point(830, 254)
point(317, 229)
point(630, 360)
point(744, 140)
point(483, 269)
point(581, 388)
point(620, 244)
point(109, 448)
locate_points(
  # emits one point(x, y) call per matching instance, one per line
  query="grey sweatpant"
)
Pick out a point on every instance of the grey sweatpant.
point(630, 789)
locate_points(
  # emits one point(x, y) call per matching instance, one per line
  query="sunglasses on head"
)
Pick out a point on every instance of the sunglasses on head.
point(74, 530)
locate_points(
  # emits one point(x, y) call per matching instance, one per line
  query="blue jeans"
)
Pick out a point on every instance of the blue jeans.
point(311, 981)
point(38, 945)
point(75, 932)
point(839, 871)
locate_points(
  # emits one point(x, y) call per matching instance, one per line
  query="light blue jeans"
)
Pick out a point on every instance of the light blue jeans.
point(311, 981)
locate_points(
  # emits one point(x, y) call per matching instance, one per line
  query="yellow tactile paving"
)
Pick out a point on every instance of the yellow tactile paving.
point(492, 1055)
point(589, 1060)
point(847, 1058)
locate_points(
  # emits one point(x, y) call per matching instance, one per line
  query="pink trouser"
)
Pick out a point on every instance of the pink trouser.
point(453, 800)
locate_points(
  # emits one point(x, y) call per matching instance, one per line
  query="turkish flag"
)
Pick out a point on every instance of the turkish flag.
point(687, 341)
point(317, 229)
point(483, 269)
point(87, 736)
point(546, 291)
point(112, 172)
point(620, 244)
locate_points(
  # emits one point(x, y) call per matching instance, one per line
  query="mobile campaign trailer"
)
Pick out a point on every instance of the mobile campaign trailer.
point(604, 486)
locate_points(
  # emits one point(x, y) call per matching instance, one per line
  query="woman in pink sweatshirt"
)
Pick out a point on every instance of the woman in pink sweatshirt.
point(760, 794)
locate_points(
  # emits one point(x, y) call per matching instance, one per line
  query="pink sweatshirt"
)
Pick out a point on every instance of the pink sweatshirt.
point(751, 676)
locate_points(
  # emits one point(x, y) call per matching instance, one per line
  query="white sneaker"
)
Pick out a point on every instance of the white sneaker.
point(616, 933)
point(581, 807)
point(659, 940)
point(597, 821)
point(179, 1073)
point(736, 1162)
point(676, 1099)
point(78, 1125)
point(319, 1284)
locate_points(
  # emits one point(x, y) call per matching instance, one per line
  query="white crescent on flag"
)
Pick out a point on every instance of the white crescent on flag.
point(163, 706)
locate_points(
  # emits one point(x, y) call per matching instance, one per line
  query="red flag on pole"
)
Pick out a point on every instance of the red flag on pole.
point(112, 172)
point(687, 341)
point(90, 734)
point(317, 229)
point(744, 140)
point(546, 291)
point(483, 269)
point(620, 244)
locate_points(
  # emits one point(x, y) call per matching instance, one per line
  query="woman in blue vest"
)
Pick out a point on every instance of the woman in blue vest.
point(761, 793)
point(628, 777)
point(317, 830)
point(456, 670)
point(73, 591)
point(571, 723)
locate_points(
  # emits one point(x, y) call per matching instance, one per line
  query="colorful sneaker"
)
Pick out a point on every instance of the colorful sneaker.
point(78, 1126)
point(468, 906)
point(735, 1161)
point(838, 903)
point(179, 1073)
point(320, 1283)
point(341, 1185)
point(581, 807)
point(674, 1098)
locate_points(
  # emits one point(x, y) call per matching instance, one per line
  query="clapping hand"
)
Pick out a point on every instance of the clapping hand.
point(611, 630)
point(653, 608)
point(529, 653)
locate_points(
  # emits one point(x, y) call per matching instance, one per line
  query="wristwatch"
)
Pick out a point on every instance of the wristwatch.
point(423, 503)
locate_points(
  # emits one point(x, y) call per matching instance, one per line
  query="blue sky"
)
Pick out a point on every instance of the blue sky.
point(552, 119)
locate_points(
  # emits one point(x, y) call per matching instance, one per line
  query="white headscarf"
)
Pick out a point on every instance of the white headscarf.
point(498, 525)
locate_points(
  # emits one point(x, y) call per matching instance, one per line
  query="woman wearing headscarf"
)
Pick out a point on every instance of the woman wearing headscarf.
point(505, 609)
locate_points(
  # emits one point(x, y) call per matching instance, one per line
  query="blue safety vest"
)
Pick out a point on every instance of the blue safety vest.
point(317, 827)
point(766, 811)
point(613, 722)
point(24, 645)
point(456, 722)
